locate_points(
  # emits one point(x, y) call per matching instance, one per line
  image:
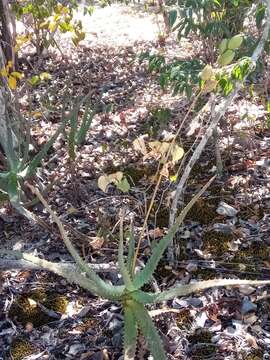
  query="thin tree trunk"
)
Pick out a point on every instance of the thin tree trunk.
point(8, 32)
point(4, 95)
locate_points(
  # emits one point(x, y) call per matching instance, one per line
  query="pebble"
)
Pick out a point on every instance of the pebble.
point(248, 306)
point(226, 209)
point(196, 302)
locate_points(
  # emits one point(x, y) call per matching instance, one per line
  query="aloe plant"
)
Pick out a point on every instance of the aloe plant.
point(77, 133)
point(19, 169)
point(133, 299)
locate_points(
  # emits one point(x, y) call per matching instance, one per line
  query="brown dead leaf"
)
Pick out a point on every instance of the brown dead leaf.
point(156, 233)
point(96, 243)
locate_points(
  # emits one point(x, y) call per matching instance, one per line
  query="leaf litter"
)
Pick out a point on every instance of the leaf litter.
point(216, 324)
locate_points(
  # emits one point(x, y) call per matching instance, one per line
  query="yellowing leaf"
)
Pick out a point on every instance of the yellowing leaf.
point(44, 25)
point(139, 145)
point(3, 72)
point(210, 85)
point(103, 182)
point(72, 210)
point(177, 153)
point(45, 76)
point(17, 75)
point(52, 26)
point(12, 82)
point(9, 64)
point(173, 178)
point(36, 114)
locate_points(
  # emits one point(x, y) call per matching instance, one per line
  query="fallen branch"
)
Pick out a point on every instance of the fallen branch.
point(11, 264)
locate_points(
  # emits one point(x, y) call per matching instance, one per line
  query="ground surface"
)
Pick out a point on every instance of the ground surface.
point(46, 318)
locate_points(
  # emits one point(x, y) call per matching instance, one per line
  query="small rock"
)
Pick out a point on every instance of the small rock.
point(185, 235)
point(76, 348)
point(179, 303)
point(230, 330)
point(215, 338)
point(115, 325)
point(117, 340)
point(196, 302)
point(226, 209)
point(248, 306)
point(223, 228)
point(191, 267)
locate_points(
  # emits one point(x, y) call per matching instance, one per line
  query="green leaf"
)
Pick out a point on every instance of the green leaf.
point(131, 249)
point(130, 334)
point(149, 330)
point(14, 196)
point(72, 133)
point(85, 125)
point(172, 17)
point(35, 80)
point(121, 262)
point(123, 185)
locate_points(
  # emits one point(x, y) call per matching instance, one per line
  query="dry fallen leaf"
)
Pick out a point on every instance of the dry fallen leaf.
point(156, 233)
point(96, 243)
point(103, 182)
point(139, 145)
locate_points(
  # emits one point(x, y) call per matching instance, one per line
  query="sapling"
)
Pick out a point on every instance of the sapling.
point(133, 299)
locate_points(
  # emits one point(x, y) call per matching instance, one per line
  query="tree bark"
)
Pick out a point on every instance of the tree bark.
point(8, 30)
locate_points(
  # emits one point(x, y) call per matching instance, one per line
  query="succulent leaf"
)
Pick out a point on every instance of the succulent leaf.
point(149, 330)
point(130, 334)
point(131, 249)
point(183, 290)
point(121, 261)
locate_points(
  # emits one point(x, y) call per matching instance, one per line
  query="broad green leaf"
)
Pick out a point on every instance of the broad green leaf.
point(123, 185)
point(34, 80)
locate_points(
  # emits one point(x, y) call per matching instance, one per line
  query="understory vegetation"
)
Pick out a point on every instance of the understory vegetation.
point(134, 179)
